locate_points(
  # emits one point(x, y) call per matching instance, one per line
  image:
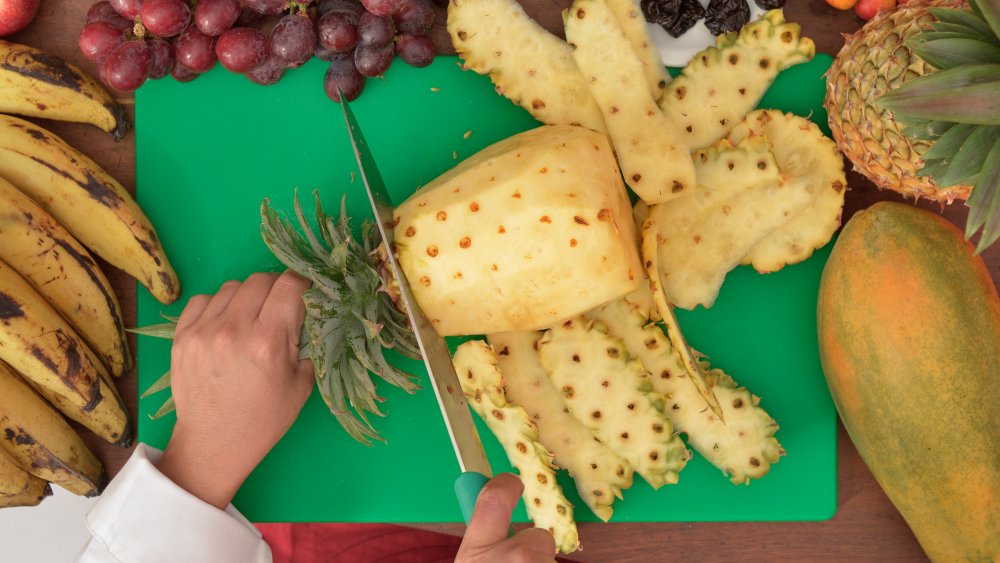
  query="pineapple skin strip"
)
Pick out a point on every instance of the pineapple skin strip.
point(599, 473)
point(744, 447)
point(633, 23)
point(726, 81)
point(611, 394)
point(654, 159)
point(535, 69)
point(820, 164)
point(482, 383)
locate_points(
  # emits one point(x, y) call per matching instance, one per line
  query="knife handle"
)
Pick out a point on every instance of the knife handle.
point(467, 488)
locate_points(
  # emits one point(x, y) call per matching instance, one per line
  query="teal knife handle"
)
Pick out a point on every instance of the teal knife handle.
point(467, 488)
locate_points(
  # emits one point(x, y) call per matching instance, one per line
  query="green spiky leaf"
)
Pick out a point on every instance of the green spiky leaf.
point(989, 11)
point(949, 143)
point(162, 330)
point(926, 36)
point(166, 408)
point(933, 168)
point(952, 52)
point(984, 202)
point(967, 94)
point(968, 161)
point(159, 385)
point(949, 17)
point(928, 130)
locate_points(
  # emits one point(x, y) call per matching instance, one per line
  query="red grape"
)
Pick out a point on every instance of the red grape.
point(266, 7)
point(346, 6)
point(127, 66)
point(195, 50)
point(98, 38)
point(416, 17)
point(267, 73)
point(103, 12)
point(415, 50)
point(373, 60)
point(374, 30)
point(248, 17)
point(165, 18)
point(213, 17)
point(162, 58)
point(324, 54)
point(337, 31)
point(241, 49)
point(128, 9)
point(182, 73)
point(343, 76)
point(293, 40)
point(383, 7)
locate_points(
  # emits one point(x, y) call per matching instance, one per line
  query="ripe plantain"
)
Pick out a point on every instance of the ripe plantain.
point(63, 272)
point(42, 442)
point(39, 343)
point(37, 84)
point(13, 479)
point(34, 493)
point(93, 206)
point(109, 420)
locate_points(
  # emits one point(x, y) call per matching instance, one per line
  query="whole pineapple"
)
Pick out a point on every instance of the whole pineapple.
point(874, 61)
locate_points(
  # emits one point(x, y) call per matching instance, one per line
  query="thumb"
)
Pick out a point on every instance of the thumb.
point(491, 518)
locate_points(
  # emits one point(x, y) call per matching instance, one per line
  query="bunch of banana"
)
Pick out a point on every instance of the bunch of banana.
point(62, 335)
point(37, 84)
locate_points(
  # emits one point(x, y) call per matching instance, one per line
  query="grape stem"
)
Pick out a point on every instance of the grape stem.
point(138, 29)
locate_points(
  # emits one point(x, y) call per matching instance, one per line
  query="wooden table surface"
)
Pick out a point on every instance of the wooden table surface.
point(866, 527)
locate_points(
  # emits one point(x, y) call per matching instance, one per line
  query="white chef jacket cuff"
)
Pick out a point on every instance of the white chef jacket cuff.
point(145, 517)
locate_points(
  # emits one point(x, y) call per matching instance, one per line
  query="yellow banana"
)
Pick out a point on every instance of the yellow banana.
point(37, 342)
point(34, 493)
point(35, 83)
point(64, 273)
point(109, 419)
point(92, 205)
point(13, 479)
point(42, 442)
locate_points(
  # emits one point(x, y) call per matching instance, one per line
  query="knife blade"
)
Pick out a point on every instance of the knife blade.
point(451, 401)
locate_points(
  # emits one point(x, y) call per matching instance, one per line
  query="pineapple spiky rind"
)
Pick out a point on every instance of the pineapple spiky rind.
point(533, 68)
point(801, 151)
point(654, 160)
point(743, 447)
point(724, 82)
point(482, 382)
point(611, 394)
point(874, 61)
point(599, 473)
point(536, 206)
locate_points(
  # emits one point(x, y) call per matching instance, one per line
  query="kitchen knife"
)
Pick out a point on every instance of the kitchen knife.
point(455, 411)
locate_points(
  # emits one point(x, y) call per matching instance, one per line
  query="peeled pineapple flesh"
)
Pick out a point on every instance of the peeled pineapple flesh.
point(527, 233)
point(482, 383)
point(599, 473)
point(632, 21)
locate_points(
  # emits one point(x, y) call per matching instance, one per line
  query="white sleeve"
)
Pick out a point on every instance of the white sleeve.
point(144, 517)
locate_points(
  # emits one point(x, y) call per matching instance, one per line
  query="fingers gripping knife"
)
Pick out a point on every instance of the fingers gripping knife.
point(457, 418)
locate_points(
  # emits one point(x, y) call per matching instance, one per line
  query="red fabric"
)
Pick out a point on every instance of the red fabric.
point(357, 543)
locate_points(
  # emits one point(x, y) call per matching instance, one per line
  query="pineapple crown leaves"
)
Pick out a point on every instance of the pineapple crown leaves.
point(351, 315)
point(958, 108)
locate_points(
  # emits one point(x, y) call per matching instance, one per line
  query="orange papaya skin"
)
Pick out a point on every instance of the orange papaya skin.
point(909, 338)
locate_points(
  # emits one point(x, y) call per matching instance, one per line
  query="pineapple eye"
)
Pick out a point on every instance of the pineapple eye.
point(737, 403)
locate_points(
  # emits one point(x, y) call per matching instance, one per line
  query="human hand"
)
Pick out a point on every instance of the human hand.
point(237, 382)
point(486, 538)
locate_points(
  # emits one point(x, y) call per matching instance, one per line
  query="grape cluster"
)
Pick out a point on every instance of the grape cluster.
point(133, 40)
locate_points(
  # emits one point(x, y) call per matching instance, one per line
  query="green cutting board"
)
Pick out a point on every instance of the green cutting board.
point(209, 151)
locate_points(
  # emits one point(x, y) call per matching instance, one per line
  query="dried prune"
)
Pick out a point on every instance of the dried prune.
point(674, 16)
point(726, 15)
point(770, 4)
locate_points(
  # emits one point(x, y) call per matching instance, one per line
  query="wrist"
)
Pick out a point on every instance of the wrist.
point(202, 471)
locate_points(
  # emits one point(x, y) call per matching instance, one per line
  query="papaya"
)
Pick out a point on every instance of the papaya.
point(909, 339)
